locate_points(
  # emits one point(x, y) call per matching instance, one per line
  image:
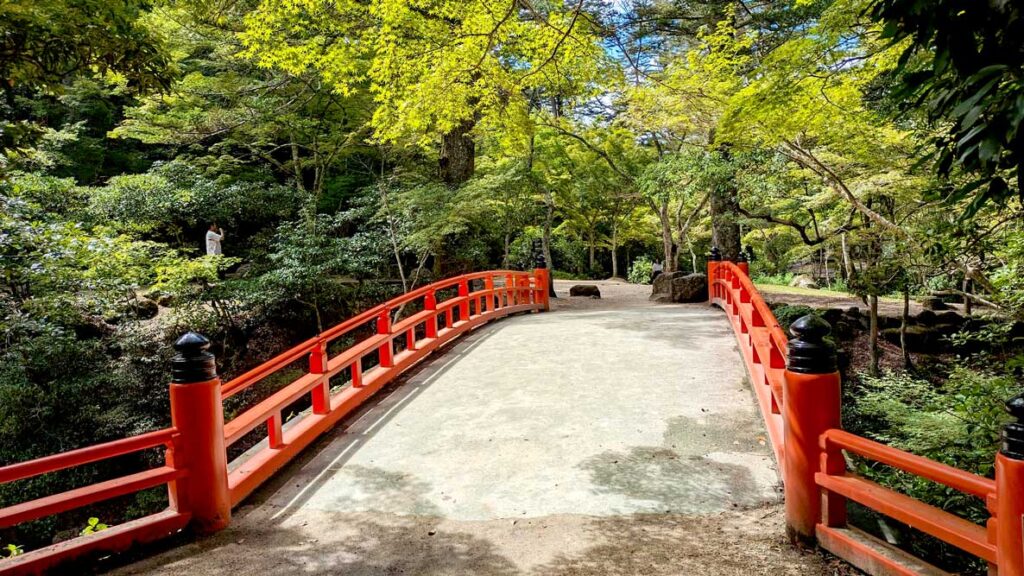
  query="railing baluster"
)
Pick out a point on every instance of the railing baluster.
point(386, 351)
point(464, 305)
point(275, 432)
point(430, 303)
point(356, 368)
point(318, 365)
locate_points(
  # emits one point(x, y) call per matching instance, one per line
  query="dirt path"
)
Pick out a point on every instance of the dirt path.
point(636, 449)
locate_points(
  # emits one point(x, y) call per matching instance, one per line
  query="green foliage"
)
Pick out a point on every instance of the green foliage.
point(782, 279)
point(93, 526)
point(12, 550)
point(962, 61)
point(957, 423)
point(176, 196)
point(641, 270)
point(787, 314)
point(433, 66)
point(52, 41)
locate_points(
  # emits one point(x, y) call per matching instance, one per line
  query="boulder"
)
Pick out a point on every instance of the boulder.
point(950, 317)
point(803, 281)
point(144, 308)
point(690, 288)
point(680, 287)
point(588, 290)
point(926, 318)
point(933, 303)
point(919, 339)
point(663, 283)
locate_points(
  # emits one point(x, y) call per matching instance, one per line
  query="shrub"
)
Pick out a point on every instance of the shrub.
point(641, 270)
point(787, 314)
point(957, 423)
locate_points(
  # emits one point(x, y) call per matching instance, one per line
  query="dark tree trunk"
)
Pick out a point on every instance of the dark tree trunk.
point(725, 230)
point(457, 159)
point(904, 322)
point(873, 334)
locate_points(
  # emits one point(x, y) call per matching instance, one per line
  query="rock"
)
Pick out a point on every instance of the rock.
point(680, 287)
point(933, 303)
point(832, 316)
point(663, 283)
point(803, 281)
point(690, 288)
point(949, 317)
point(585, 290)
point(161, 298)
point(93, 327)
point(919, 339)
point(926, 318)
point(144, 308)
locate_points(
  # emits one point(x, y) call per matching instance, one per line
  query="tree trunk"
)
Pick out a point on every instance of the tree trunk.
point(591, 248)
point(873, 337)
point(615, 253)
point(847, 263)
point(549, 218)
point(457, 159)
point(666, 235)
point(725, 230)
point(504, 256)
point(904, 320)
point(968, 303)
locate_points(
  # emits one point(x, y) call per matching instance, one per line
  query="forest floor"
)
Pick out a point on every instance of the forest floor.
point(635, 449)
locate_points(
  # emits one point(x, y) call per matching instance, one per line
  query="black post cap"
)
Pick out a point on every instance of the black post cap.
point(192, 363)
point(1013, 433)
point(716, 254)
point(809, 351)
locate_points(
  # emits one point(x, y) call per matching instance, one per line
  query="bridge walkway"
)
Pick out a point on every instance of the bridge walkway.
point(609, 436)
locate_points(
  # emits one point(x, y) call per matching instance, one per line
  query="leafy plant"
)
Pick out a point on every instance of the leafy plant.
point(12, 551)
point(93, 526)
point(641, 270)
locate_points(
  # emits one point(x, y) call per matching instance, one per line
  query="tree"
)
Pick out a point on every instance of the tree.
point(48, 43)
point(961, 61)
point(437, 69)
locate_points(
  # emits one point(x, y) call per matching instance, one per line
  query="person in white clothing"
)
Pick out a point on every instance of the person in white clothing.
point(656, 270)
point(213, 237)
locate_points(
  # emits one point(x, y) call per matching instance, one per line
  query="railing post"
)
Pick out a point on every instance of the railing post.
point(541, 275)
point(510, 290)
point(430, 303)
point(318, 365)
point(810, 406)
point(197, 413)
point(1010, 493)
point(386, 351)
point(464, 306)
point(540, 279)
point(489, 297)
point(713, 260)
point(743, 264)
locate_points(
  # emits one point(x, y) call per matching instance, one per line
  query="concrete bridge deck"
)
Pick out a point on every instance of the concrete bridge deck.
point(607, 437)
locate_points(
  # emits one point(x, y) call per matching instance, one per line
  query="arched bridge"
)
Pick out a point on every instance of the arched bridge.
point(611, 437)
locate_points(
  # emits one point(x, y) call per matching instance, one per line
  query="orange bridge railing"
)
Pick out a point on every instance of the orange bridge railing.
point(203, 486)
point(798, 389)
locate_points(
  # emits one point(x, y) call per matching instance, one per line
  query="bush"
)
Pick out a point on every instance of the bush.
point(787, 314)
point(641, 270)
point(957, 423)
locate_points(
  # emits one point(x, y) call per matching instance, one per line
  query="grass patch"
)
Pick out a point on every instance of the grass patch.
point(822, 292)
